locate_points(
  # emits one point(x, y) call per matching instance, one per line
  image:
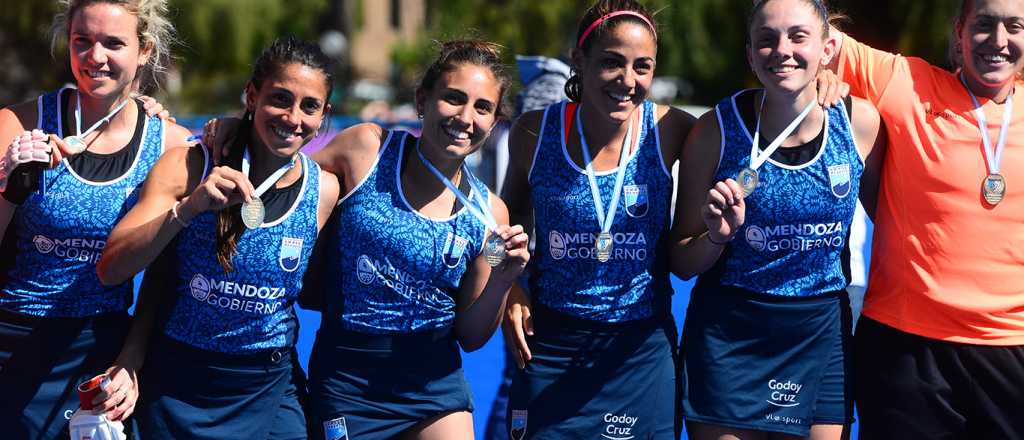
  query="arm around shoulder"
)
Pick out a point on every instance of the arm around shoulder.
point(351, 152)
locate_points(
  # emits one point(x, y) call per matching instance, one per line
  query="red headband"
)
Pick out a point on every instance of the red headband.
point(597, 22)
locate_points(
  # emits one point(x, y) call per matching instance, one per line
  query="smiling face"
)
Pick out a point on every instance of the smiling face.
point(288, 108)
point(617, 71)
point(460, 110)
point(991, 42)
point(105, 49)
point(787, 45)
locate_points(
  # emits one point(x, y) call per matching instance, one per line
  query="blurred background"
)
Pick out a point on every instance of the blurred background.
point(382, 45)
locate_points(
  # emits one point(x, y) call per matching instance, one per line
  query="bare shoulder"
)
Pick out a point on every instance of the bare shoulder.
point(498, 208)
point(18, 118)
point(706, 131)
point(175, 135)
point(864, 111)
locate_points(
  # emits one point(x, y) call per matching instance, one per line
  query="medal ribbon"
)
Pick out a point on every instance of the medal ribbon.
point(605, 220)
point(992, 159)
point(478, 206)
point(756, 160)
point(78, 116)
point(272, 179)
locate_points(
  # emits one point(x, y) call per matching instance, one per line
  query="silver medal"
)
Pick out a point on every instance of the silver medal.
point(253, 213)
point(994, 188)
point(748, 180)
point(603, 246)
point(494, 250)
point(75, 144)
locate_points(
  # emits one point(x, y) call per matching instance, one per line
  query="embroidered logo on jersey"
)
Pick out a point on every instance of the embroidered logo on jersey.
point(454, 249)
point(581, 245)
point(784, 394)
point(518, 431)
point(796, 237)
point(619, 427)
point(291, 250)
point(43, 245)
point(556, 245)
point(75, 249)
point(839, 179)
point(636, 200)
point(365, 270)
point(336, 429)
point(755, 238)
point(200, 287)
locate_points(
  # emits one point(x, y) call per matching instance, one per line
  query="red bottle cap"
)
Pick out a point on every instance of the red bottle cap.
point(91, 388)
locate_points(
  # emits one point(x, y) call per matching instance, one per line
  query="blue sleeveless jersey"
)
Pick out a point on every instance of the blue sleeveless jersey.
point(567, 277)
point(798, 218)
point(250, 308)
point(393, 270)
point(61, 234)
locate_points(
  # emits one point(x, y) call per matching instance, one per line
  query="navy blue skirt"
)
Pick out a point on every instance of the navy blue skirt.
point(365, 386)
point(196, 394)
point(767, 363)
point(595, 380)
point(42, 361)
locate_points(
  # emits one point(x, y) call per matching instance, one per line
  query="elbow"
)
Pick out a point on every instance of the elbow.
point(468, 340)
point(468, 345)
point(107, 273)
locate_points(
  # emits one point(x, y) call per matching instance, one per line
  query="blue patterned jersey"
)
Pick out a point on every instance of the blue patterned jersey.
point(61, 234)
point(567, 276)
point(250, 308)
point(798, 217)
point(395, 270)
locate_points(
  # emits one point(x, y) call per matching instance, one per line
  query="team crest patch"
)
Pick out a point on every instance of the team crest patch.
point(291, 251)
point(839, 179)
point(518, 431)
point(454, 250)
point(336, 429)
point(199, 287)
point(636, 200)
point(556, 245)
point(365, 270)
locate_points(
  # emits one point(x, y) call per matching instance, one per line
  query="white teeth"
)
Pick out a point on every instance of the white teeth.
point(457, 135)
point(618, 97)
point(994, 58)
point(97, 74)
point(782, 69)
point(282, 133)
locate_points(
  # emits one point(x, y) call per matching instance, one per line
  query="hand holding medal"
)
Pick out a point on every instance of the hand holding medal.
point(222, 188)
point(724, 211)
point(494, 247)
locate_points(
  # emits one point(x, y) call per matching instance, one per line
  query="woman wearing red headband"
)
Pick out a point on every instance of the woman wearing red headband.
point(595, 336)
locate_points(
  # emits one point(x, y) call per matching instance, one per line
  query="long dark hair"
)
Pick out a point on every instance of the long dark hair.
point(594, 13)
point(283, 52)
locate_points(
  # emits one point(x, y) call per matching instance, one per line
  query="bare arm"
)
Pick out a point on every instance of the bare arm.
point(516, 192)
point(483, 289)
point(707, 214)
point(869, 132)
point(351, 154)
